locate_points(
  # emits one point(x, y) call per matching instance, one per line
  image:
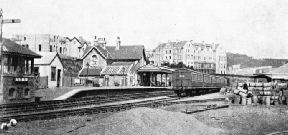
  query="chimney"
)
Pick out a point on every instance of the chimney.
point(95, 40)
point(191, 41)
point(118, 43)
point(213, 46)
point(203, 42)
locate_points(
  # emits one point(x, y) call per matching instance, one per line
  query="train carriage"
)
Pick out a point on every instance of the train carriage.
point(189, 82)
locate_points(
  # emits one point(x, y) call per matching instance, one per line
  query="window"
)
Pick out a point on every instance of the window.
point(26, 92)
point(50, 48)
point(36, 71)
point(53, 73)
point(60, 50)
point(24, 38)
point(170, 51)
point(39, 47)
point(170, 57)
point(12, 92)
point(94, 60)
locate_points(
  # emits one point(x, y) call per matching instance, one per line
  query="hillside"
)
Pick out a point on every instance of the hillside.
point(246, 61)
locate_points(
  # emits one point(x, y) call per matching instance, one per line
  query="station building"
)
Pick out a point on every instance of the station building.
point(112, 65)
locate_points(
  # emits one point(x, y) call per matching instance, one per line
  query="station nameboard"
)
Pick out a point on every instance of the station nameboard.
point(21, 79)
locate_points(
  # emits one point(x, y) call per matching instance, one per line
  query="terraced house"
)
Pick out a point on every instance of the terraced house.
point(209, 58)
point(112, 65)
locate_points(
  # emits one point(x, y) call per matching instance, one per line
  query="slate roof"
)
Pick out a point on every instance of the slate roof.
point(116, 70)
point(180, 44)
point(104, 52)
point(279, 70)
point(47, 58)
point(92, 71)
point(11, 47)
point(126, 52)
point(121, 63)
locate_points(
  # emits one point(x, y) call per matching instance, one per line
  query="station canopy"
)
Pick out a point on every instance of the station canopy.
point(155, 69)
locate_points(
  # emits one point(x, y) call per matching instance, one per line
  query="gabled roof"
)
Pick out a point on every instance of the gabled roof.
point(103, 52)
point(280, 70)
point(127, 52)
point(11, 47)
point(181, 43)
point(47, 58)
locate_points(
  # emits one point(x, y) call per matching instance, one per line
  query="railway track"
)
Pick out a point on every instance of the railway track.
point(96, 109)
point(23, 108)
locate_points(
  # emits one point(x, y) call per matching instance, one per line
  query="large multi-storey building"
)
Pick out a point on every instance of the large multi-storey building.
point(52, 43)
point(209, 58)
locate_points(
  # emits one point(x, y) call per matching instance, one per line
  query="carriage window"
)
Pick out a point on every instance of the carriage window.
point(192, 77)
point(200, 78)
point(12, 92)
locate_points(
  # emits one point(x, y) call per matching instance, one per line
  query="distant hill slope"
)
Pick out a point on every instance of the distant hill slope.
point(247, 62)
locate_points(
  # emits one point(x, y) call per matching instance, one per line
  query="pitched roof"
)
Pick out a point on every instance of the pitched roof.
point(160, 46)
point(121, 63)
point(127, 52)
point(279, 70)
point(12, 47)
point(180, 44)
point(103, 52)
point(92, 71)
point(116, 70)
point(47, 58)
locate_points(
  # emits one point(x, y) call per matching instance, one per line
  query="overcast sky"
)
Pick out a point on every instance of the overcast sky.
point(257, 28)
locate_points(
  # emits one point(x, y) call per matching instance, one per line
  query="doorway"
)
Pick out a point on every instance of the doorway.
point(58, 77)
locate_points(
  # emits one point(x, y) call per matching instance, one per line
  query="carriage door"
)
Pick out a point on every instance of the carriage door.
point(58, 77)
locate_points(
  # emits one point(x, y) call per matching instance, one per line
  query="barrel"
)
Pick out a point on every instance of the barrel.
point(255, 100)
point(268, 100)
point(236, 91)
point(284, 85)
point(243, 94)
point(284, 100)
point(244, 101)
point(258, 84)
point(256, 92)
point(267, 88)
point(242, 90)
point(274, 97)
point(268, 93)
point(267, 84)
point(258, 88)
point(251, 84)
point(249, 101)
point(237, 100)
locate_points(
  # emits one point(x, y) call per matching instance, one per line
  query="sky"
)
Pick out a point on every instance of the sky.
point(258, 28)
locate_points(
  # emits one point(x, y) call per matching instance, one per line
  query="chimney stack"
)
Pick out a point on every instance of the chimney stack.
point(203, 42)
point(95, 40)
point(118, 43)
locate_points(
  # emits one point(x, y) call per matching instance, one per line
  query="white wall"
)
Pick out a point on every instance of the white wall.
point(45, 70)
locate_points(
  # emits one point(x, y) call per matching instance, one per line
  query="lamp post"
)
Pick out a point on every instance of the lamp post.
point(87, 66)
point(123, 70)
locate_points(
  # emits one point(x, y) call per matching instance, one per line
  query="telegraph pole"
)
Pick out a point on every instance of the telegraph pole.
point(3, 21)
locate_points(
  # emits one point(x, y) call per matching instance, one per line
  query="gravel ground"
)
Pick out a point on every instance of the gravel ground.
point(234, 120)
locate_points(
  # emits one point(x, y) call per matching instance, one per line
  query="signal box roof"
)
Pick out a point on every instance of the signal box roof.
point(10, 47)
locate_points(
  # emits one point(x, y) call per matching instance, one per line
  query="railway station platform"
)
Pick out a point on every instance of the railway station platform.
point(93, 91)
